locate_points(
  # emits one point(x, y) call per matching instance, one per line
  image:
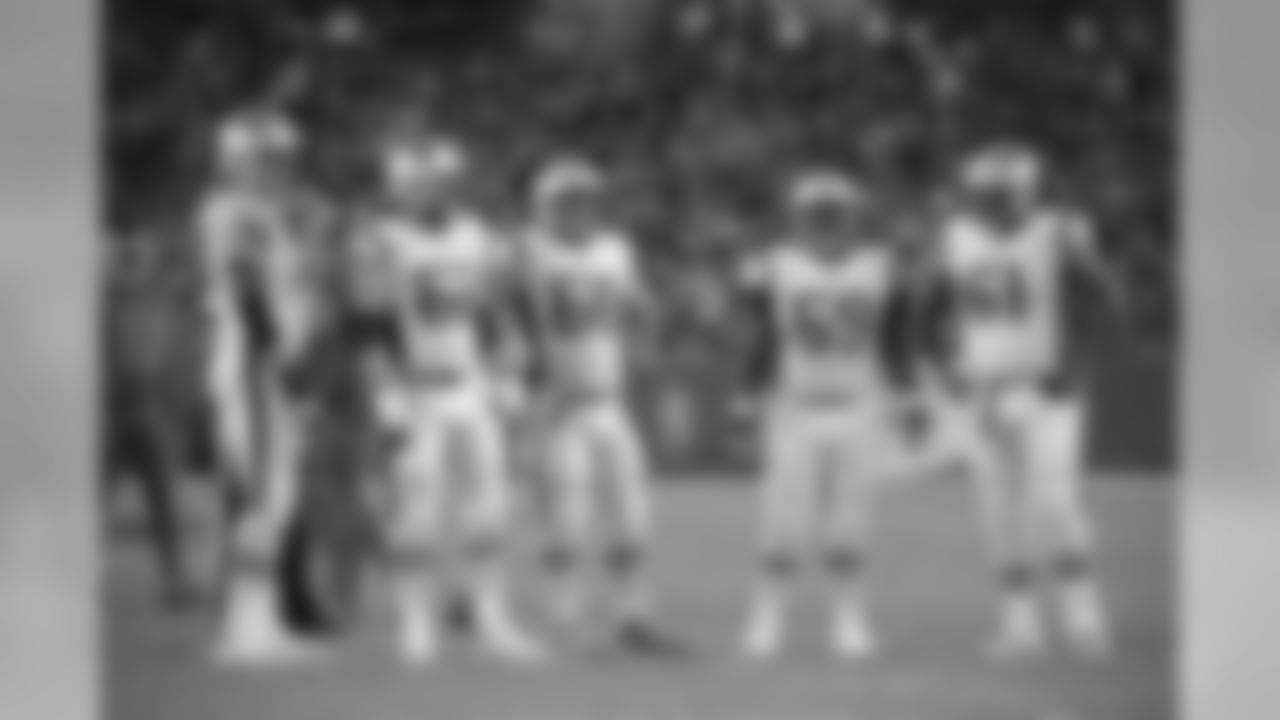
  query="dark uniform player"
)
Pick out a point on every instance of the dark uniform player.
point(148, 398)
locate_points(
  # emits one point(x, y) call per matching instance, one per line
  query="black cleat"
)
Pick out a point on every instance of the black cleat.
point(644, 638)
point(458, 614)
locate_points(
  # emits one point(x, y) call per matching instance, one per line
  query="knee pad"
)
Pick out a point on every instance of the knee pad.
point(624, 558)
point(559, 558)
point(1016, 575)
point(1072, 564)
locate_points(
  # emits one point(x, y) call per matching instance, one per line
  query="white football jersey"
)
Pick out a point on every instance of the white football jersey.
point(252, 247)
point(586, 294)
point(447, 279)
point(828, 315)
point(1009, 293)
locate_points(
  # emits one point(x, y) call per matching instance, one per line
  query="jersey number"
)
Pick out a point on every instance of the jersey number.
point(574, 311)
point(996, 293)
point(434, 303)
point(824, 324)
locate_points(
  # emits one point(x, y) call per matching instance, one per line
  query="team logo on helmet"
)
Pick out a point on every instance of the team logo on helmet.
point(1010, 168)
point(566, 178)
point(430, 161)
point(823, 189)
point(249, 138)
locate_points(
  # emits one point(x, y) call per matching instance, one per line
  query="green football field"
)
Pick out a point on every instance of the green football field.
point(931, 599)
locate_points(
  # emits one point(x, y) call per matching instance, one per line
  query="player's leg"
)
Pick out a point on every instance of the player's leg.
point(931, 434)
point(232, 439)
point(159, 471)
point(253, 629)
point(415, 526)
point(995, 458)
point(627, 555)
point(1055, 454)
point(787, 499)
point(516, 407)
point(478, 442)
point(567, 554)
point(857, 452)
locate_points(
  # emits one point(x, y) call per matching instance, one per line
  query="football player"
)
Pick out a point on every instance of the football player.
point(590, 303)
point(449, 272)
point(1016, 411)
point(144, 443)
point(258, 299)
point(828, 288)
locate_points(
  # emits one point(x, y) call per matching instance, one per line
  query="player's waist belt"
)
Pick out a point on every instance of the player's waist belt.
point(575, 395)
point(821, 397)
point(1052, 381)
point(438, 377)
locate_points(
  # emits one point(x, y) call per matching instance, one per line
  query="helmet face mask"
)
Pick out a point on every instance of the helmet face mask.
point(827, 212)
point(567, 198)
point(1003, 184)
point(423, 178)
point(421, 196)
point(256, 149)
point(999, 205)
point(825, 226)
point(573, 214)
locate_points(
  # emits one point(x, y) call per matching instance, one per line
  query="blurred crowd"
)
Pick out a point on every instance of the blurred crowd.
point(698, 107)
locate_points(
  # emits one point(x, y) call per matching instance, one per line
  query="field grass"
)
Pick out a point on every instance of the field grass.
point(932, 603)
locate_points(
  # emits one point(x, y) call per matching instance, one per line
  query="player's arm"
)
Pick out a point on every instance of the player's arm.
point(644, 312)
point(752, 294)
point(510, 324)
point(403, 299)
point(504, 319)
point(929, 303)
point(372, 315)
point(1079, 240)
point(1083, 328)
point(898, 324)
point(216, 229)
point(220, 228)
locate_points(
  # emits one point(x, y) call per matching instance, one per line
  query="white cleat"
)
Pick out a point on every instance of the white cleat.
point(419, 637)
point(1021, 632)
point(1091, 640)
point(419, 647)
point(1092, 646)
point(1016, 642)
point(853, 639)
point(507, 642)
point(762, 641)
point(516, 650)
point(252, 635)
point(1087, 629)
point(266, 651)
